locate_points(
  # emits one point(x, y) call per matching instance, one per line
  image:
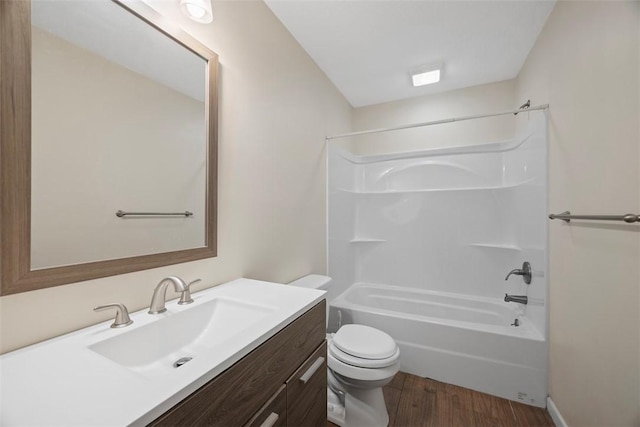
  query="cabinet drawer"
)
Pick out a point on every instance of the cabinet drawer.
point(307, 391)
point(234, 396)
point(273, 413)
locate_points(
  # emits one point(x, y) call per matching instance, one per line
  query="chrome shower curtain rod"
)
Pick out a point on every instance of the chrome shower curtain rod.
point(567, 217)
point(437, 122)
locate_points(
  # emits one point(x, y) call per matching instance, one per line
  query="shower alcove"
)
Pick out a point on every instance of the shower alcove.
point(419, 246)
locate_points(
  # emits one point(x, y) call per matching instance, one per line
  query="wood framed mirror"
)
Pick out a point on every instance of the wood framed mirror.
point(51, 207)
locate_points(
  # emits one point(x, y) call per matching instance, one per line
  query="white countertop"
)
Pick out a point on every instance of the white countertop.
point(62, 382)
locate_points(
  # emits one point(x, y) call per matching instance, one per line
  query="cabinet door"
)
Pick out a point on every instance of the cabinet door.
point(307, 391)
point(273, 413)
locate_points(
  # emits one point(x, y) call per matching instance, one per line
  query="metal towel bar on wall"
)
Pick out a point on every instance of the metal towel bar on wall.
point(567, 217)
point(121, 213)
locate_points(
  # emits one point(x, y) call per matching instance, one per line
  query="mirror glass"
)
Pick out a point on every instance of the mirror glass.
point(118, 124)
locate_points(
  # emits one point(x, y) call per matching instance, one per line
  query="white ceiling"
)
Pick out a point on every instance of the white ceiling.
point(369, 48)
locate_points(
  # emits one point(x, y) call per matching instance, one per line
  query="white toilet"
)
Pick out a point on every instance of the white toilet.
point(361, 360)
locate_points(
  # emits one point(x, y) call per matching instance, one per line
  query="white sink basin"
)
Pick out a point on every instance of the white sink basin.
point(100, 376)
point(153, 349)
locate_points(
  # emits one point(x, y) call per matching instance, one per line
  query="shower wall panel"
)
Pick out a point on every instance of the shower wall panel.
point(449, 220)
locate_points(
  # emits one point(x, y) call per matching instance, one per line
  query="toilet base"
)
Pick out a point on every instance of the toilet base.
point(363, 408)
point(335, 409)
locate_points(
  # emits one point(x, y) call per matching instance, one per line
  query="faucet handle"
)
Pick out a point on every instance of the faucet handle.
point(185, 296)
point(122, 314)
point(525, 272)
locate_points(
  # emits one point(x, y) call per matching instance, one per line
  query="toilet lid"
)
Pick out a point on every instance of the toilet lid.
point(364, 342)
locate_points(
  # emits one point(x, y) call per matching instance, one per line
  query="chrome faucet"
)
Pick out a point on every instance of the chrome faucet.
point(525, 272)
point(160, 294)
point(122, 314)
point(520, 299)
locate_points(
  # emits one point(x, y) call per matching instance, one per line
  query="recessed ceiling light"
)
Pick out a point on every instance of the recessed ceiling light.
point(197, 10)
point(426, 74)
point(426, 77)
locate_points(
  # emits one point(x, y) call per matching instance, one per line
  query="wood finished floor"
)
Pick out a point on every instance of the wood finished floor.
point(414, 401)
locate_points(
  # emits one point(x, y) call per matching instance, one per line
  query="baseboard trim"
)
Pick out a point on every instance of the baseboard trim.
point(555, 414)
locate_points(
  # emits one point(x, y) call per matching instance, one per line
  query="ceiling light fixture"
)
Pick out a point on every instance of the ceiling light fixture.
point(426, 75)
point(197, 10)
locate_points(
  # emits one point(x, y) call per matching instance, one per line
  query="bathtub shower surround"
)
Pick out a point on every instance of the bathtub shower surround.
point(419, 247)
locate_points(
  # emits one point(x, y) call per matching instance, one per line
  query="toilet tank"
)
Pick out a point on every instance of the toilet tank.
point(313, 281)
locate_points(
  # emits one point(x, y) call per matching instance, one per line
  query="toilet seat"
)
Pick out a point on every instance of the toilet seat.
point(363, 346)
point(362, 362)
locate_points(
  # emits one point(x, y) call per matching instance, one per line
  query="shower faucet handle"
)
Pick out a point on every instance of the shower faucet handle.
point(525, 272)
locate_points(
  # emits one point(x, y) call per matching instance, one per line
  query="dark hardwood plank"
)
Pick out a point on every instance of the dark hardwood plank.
point(417, 402)
point(492, 411)
point(530, 416)
point(397, 381)
point(413, 401)
point(461, 406)
point(430, 385)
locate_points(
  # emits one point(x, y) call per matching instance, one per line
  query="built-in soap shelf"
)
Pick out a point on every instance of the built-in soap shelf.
point(366, 240)
point(433, 190)
point(498, 246)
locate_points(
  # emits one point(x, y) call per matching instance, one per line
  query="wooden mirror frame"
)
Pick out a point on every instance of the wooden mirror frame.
point(15, 161)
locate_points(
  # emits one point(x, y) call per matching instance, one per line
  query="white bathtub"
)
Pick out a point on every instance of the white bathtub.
point(458, 339)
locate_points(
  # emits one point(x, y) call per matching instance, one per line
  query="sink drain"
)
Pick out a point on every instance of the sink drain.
point(181, 361)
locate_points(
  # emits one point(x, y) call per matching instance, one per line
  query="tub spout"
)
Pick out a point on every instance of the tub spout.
point(520, 299)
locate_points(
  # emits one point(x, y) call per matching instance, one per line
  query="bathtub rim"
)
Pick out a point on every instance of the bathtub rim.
point(525, 331)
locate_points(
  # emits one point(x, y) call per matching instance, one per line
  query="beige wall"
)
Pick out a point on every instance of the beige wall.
point(276, 106)
point(85, 168)
point(585, 65)
point(481, 99)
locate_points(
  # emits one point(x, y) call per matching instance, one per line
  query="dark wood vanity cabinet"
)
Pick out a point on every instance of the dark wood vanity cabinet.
point(307, 391)
point(273, 413)
point(283, 382)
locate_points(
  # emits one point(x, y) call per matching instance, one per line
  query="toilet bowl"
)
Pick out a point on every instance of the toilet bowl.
point(360, 361)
